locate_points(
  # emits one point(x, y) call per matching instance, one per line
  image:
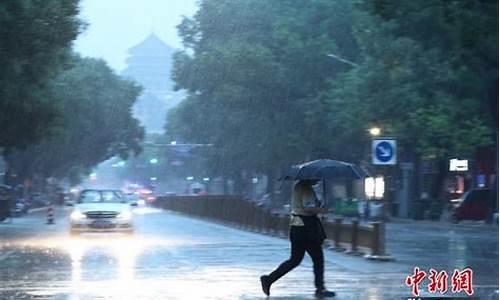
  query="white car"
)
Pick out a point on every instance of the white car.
point(101, 210)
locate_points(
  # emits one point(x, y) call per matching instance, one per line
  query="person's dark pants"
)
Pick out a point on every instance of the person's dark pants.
point(301, 244)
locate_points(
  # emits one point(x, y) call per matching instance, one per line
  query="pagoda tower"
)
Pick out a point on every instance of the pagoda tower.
point(149, 64)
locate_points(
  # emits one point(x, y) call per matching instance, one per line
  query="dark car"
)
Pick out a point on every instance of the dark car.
point(477, 204)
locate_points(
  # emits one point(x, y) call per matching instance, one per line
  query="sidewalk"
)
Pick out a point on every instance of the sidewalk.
point(443, 223)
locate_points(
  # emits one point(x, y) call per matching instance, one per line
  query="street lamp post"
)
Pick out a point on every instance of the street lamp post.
point(175, 144)
point(374, 132)
point(343, 60)
point(384, 156)
point(378, 179)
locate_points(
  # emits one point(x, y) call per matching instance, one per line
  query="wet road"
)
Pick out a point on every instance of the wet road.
point(174, 257)
point(447, 246)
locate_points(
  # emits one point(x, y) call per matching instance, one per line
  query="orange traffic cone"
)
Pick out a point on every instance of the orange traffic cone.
point(50, 214)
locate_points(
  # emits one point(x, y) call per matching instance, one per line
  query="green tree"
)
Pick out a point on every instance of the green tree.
point(463, 34)
point(263, 90)
point(97, 124)
point(36, 37)
point(428, 76)
point(253, 70)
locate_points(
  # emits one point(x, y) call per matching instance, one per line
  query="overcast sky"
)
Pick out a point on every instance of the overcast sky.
point(114, 26)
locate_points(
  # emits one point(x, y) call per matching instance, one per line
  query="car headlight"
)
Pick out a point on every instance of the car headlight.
point(76, 215)
point(126, 215)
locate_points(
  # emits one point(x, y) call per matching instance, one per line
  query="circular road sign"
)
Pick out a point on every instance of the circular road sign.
point(384, 152)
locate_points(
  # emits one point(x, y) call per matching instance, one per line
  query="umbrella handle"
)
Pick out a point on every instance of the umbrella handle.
point(324, 192)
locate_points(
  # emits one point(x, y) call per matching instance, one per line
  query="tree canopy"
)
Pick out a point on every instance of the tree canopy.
point(35, 40)
point(96, 124)
point(253, 69)
point(276, 82)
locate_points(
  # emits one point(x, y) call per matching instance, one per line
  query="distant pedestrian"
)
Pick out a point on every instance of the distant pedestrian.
point(306, 235)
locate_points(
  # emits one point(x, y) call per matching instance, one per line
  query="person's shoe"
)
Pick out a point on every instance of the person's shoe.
point(324, 293)
point(266, 285)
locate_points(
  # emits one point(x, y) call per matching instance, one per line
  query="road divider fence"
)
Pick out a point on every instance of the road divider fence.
point(353, 238)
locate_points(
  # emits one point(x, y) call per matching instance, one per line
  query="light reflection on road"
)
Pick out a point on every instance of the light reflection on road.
point(146, 210)
point(458, 248)
point(105, 265)
point(125, 251)
point(119, 267)
point(174, 257)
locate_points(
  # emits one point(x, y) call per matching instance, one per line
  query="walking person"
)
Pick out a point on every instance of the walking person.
point(306, 235)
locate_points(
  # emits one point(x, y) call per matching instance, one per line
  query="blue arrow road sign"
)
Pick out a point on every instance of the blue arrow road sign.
point(384, 152)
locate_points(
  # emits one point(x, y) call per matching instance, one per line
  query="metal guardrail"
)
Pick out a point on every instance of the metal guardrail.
point(352, 238)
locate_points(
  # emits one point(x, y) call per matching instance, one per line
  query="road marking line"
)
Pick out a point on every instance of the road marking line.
point(33, 210)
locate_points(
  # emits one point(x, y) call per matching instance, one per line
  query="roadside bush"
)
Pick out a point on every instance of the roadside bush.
point(347, 207)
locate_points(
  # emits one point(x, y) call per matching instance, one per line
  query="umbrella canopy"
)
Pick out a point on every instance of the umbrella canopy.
point(323, 169)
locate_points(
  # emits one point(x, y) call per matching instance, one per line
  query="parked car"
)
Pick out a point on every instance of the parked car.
point(135, 198)
point(101, 210)
point(476, 204)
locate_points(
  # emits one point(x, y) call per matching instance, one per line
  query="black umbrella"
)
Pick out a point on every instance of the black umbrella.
point(324, 169)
